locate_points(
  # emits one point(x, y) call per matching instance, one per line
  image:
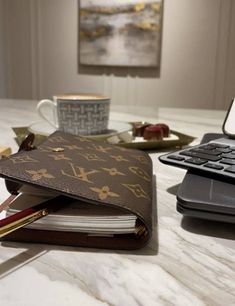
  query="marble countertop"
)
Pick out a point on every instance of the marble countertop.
point(187, 262)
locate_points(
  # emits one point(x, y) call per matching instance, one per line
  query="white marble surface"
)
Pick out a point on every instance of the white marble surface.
point(188, 262)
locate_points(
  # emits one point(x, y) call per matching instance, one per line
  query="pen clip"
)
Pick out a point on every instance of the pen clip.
point(30, 215)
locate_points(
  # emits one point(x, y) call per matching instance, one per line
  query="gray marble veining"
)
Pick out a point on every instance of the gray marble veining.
point(188, 262)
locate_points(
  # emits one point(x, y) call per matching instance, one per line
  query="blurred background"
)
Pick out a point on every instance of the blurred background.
point(39, 56)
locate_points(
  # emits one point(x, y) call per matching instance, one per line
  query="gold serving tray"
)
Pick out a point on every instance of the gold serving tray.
point(176, 139)
point(179, 140)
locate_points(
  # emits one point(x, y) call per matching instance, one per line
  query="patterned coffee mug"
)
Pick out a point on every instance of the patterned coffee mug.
point(77, 114)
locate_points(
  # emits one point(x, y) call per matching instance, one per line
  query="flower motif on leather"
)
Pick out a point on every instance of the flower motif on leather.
point(46, 149)
point(41, 173)
point(102, 149)
point(23, 159)
point(83, 139)
point(137, 190)
point(73, 147)
point(141, 173)
point(113, 171)
point(142, 159)
point(60, 157)
point(118, 158)
point(104, 192)
point(57, 139)
point(91, 157)
point(123, 149)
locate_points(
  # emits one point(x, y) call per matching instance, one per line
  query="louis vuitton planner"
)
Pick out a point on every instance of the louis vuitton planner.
point(110, 188)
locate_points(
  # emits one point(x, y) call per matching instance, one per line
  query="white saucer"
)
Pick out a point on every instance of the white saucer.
point(114, 128)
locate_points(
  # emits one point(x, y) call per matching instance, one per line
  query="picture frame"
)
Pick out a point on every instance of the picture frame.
point(120, 33)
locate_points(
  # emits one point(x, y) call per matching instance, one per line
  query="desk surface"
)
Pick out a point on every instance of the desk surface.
point(188, 261)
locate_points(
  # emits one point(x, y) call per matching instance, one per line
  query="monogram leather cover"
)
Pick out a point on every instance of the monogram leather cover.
point(91, 171)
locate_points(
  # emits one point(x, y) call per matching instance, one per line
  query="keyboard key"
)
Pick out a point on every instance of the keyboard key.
point(214, 166)
point(228, 155)
point(224, 150)
point(196, 161)
point(211, 152)
point(176, 157)
point(208, 147)
point(217, 158)
point(230, 169)
point(200, 155)
point(218, 145)
point(227, 161)
point(188, 153)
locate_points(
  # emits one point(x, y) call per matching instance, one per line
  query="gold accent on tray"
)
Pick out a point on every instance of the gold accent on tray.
point(4, 151)
point(179, 140)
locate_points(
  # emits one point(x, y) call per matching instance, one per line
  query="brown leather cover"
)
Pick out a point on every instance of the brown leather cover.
point(92, 171)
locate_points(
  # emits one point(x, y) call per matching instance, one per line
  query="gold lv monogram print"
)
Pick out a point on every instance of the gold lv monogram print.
point(73, 147)
point(57, 139)
point(141, 159)
point(118, 158)
point(101, 148)
point(137, 190)
point(104, 192)
point(67, 190)
point(46, 149)
point(123, 149)
point(79, 173)
point(83, 139)
point(140, 172)
point(37, 175)
point(23, 159)
point(113, 171)
point(59, 157)
point(91, 157)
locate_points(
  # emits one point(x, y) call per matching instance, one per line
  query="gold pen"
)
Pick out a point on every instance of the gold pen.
point(29, 215)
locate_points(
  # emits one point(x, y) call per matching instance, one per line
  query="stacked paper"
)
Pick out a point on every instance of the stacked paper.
point(77, 217)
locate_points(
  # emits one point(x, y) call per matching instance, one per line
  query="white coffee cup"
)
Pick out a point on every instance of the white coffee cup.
point(78, 114)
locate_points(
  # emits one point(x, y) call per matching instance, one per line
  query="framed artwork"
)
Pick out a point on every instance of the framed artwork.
point(120, 32)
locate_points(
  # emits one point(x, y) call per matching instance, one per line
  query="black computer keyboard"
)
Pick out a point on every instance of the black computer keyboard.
point(215, 158)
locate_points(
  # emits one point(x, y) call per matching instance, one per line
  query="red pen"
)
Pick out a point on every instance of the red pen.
point(29, 215)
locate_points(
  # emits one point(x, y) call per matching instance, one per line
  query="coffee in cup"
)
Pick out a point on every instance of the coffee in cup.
point(78, 114)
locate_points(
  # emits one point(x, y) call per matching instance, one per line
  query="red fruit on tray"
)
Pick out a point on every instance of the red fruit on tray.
point(139, 127)
point(153, 132)
point(165, 129)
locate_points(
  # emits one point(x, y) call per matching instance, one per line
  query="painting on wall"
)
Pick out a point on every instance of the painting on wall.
point(120, 32)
